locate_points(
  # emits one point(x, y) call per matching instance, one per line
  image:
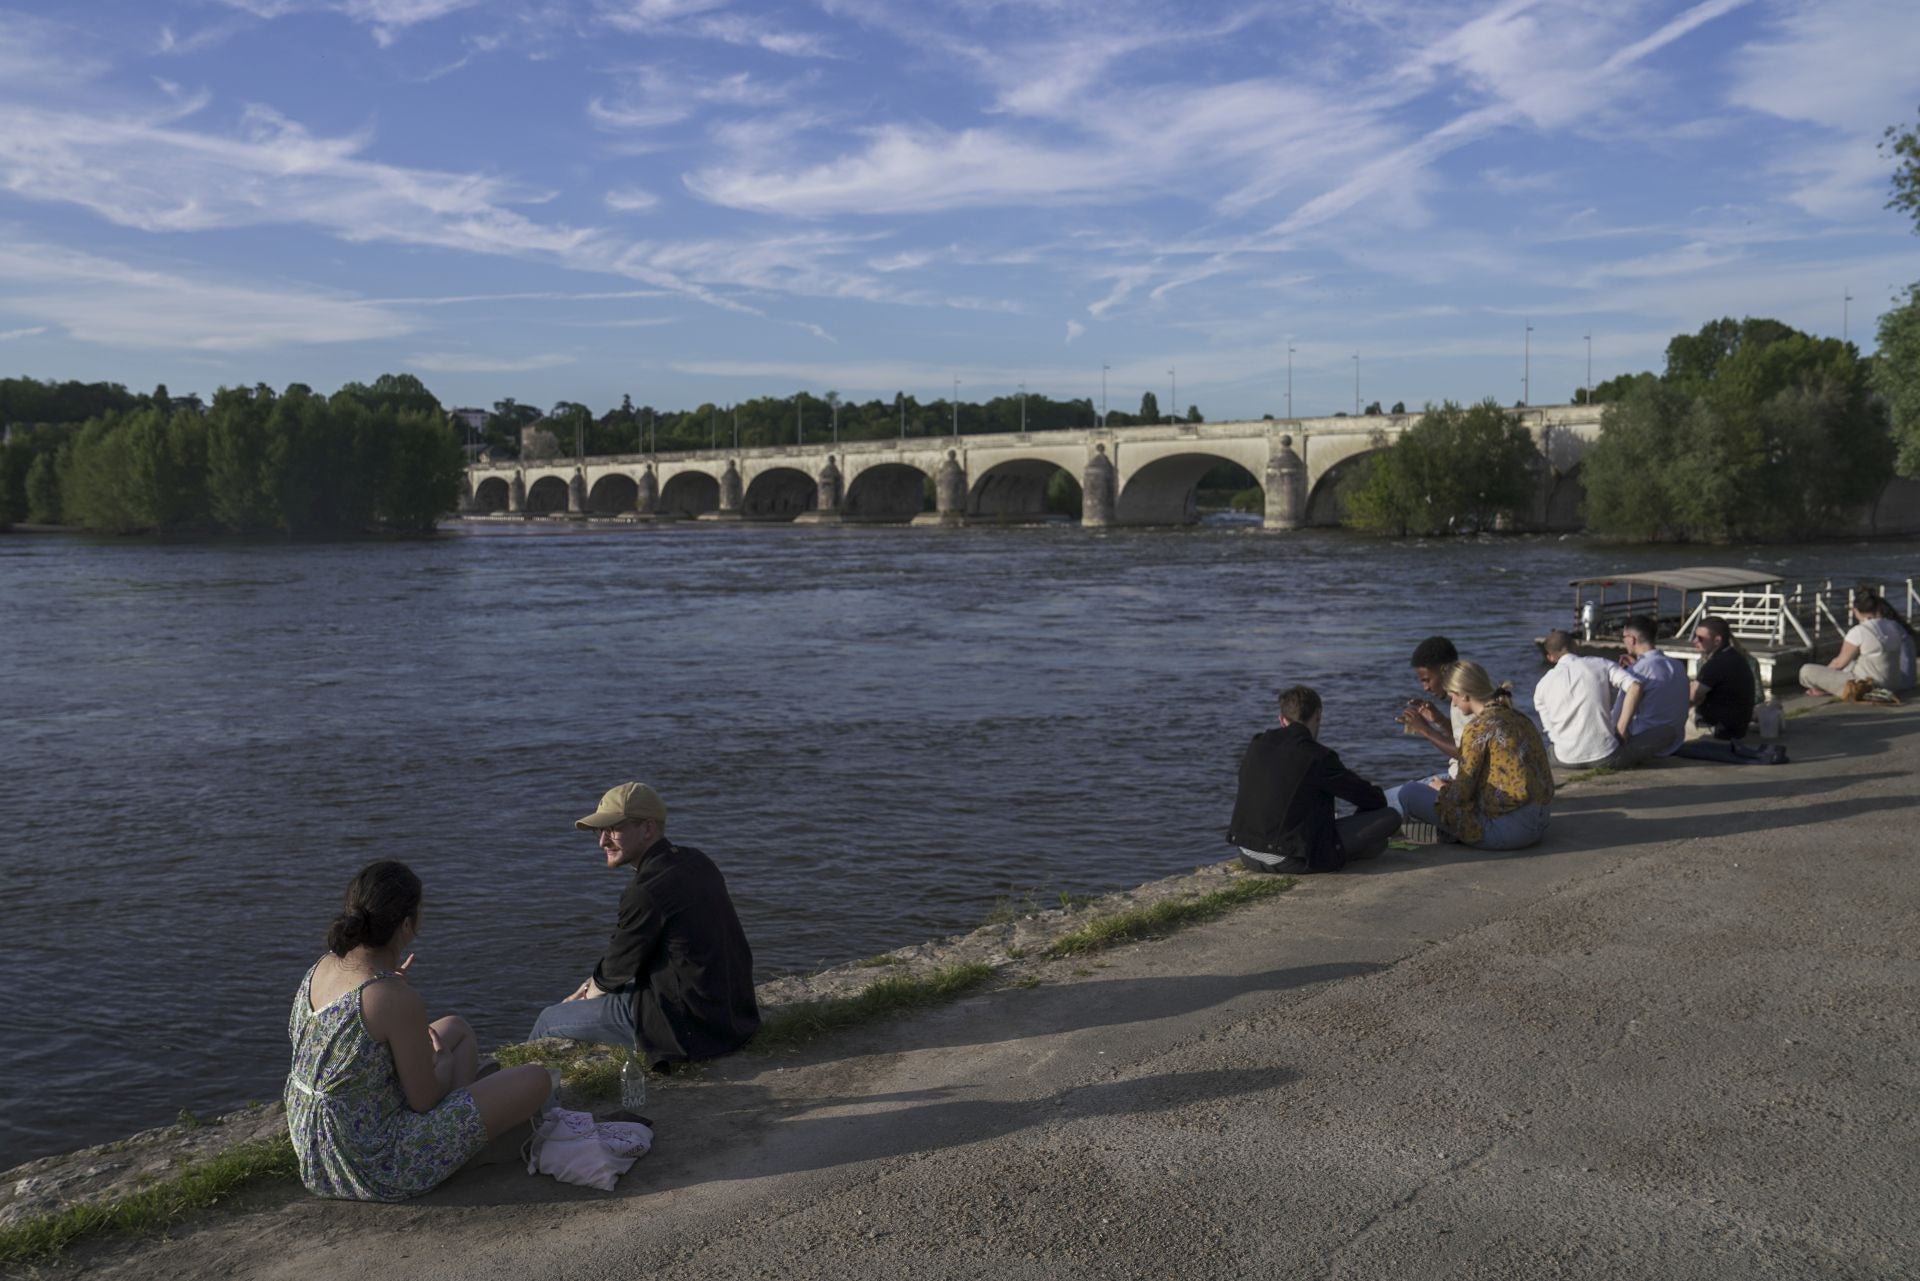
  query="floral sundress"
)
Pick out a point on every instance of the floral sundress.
point(352, 1130)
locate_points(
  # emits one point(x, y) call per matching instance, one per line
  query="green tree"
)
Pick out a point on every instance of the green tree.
point(393, 393)
point(1904, 146)
point(1896, 376)
point(43, 490)
point(1756, 431)
point(1457, 469)
point(420, 471)
point(1149, 408)
point(244, 485)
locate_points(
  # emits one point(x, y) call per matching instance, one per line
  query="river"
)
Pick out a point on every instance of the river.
point(876, 733)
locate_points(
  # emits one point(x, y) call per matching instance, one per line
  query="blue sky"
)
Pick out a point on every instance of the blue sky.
point(701, 200)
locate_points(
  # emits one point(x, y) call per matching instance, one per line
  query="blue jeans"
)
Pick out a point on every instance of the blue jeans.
point(1517, 830)
point(606, 1020)
point(1724, 752)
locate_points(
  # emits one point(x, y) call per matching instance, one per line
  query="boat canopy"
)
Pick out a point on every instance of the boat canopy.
point(1694, 578)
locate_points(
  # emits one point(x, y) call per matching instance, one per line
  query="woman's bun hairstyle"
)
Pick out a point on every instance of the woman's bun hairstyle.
point(380, 898)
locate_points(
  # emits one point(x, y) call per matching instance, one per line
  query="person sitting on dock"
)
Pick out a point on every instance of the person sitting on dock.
point(1722, 694)
point(676, 980)
point(1660, 726)
point(1503, 795)
point(1878, 648)
point(1288, 784)
point(1431, 658)
point(1575, 702)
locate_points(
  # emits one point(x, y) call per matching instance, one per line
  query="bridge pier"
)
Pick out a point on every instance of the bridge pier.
point(1286, 484)
point(1097, 490)
point(517, 494)
point(730, 492)
point(827, 494)
point(949, 494)
point(577, 494)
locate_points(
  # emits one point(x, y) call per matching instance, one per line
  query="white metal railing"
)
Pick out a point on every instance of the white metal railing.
point(1751, 615)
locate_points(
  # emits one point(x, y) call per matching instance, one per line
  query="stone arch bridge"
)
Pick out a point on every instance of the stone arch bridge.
point(1127, 475)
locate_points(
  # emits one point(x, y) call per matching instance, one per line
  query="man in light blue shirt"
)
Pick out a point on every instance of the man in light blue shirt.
point(1659, 724)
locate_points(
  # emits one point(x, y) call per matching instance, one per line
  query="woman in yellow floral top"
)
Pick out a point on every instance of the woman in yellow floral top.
point(1501, 798)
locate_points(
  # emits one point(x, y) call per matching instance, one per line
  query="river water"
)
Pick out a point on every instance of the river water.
point(876, 733)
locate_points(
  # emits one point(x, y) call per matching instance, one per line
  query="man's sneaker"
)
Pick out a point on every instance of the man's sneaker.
point(1775, 754)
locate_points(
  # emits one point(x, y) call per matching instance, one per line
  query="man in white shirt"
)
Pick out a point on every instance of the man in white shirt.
point(1661, 724)
point(1575, 702)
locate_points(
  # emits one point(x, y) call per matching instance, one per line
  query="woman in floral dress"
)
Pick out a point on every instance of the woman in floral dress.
point(381, 1104)
point(1502, 796)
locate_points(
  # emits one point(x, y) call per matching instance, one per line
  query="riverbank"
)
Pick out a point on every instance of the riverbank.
point(1679, 1039)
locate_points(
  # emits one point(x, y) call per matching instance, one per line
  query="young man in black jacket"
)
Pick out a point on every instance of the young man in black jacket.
point(1288, 783)
point(676, 980)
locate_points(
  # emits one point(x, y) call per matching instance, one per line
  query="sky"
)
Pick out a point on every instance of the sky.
point(692, 201)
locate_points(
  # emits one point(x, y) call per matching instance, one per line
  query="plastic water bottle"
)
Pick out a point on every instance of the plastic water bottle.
point(1772, 718)
point(633, 1083)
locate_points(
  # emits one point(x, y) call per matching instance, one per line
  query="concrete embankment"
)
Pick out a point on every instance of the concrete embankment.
point(1679, 1040)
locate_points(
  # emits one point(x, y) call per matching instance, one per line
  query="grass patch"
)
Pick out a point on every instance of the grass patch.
point(586, 1068)
point(1016, 953)
point(1140, 922)
point(1598, 771)
point(1008, 908)
point(791, 1026)
point(1027, 981)
point(195, 1187)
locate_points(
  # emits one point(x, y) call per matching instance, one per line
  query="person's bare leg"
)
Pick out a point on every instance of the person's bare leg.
point(510, 1096)
point(456, 1059)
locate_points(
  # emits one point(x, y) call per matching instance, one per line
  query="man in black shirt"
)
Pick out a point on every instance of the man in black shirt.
point(1288, 783)
point(1723, 696)
point(676, 980)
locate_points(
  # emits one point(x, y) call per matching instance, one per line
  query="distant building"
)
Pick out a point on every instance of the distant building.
point(473, 420)
point(538, 441)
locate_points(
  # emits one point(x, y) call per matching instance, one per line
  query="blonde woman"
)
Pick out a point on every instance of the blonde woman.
point(1501, 797)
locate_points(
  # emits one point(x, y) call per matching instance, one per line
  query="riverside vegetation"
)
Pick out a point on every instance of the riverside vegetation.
point(256, 462)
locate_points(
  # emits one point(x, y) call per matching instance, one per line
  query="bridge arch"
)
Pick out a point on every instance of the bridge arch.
point(886, 492)
point(612, 493)
point(490, 495)
point(1024, 489)
point(1164, 491)
point(1333, 489)
point(779, 493)
point(689, 493)
point(546, 495)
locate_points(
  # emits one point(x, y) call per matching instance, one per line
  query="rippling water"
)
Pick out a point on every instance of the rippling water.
point(875, 732)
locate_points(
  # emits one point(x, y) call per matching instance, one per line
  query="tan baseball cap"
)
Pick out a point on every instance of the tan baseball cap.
point(629, 800)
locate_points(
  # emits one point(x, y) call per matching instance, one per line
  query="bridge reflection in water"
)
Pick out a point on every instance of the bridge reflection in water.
point(1126, 475)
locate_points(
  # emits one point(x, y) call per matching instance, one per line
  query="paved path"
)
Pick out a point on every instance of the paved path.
point(1679, 1041)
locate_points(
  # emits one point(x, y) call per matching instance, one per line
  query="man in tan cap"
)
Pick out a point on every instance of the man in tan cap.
point(676, 980)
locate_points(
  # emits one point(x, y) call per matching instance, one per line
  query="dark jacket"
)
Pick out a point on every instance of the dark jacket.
point(1288, 783)
point(679, 945)
point(1728, 706)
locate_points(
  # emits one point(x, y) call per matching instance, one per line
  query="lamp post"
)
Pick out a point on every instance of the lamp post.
point(1526, 368)
point(1846, 313)
point(1356, 384)
point(653, 431)
point(835, 403)
point(736, 427)
point(1173, 395)
point(900, 399)
point(639, 435)
point(1289, 378)
point(799, 431)
point(1589, 366)
point(956, 406)
point(1023, 409)
point(1103, 393)
point(713, 429)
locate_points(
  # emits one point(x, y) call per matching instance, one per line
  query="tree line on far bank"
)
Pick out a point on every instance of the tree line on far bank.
point(1755, 431)
point(255, 462)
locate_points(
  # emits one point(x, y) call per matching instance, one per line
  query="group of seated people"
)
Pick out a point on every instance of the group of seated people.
point(1497, 791)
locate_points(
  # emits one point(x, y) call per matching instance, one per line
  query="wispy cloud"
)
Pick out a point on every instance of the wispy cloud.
point(631, 200)
point(1845, 67)
point(8, 335)
point(38, 51)
point(443, 362)
point(387, 18)
point(710, 20)
point(100, 300)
